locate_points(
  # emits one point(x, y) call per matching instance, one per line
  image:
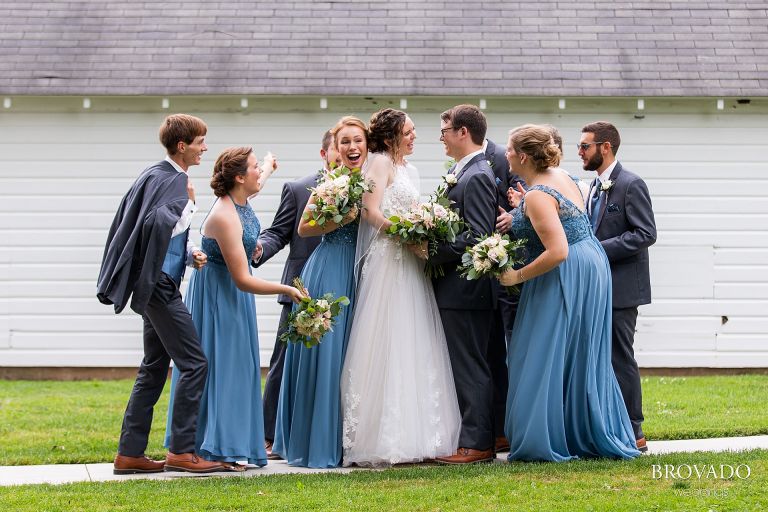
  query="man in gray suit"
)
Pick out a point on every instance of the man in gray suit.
point(282, 232)
point(619, 207)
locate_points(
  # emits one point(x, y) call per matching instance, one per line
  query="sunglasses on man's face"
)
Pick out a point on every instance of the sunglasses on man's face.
point(585, 145)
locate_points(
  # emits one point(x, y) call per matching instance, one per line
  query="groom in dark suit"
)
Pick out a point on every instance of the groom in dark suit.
point(467, 307)
point(621, 214)
point(284, 231)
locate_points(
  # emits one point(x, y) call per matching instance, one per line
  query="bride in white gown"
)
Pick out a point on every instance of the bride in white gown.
point(398, 397)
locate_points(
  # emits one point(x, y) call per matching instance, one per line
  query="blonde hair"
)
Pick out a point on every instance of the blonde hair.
point(536, 142)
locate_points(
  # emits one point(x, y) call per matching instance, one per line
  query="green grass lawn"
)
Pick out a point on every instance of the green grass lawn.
point(580, 485)
point(65, 422)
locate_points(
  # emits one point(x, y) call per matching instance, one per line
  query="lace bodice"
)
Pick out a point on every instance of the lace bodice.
point(575, 222)
point(401, 194)
point(251, 229)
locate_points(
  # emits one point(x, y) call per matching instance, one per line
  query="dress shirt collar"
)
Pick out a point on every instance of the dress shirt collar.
point(174, 164)
point(606, 175)
point(461, 164)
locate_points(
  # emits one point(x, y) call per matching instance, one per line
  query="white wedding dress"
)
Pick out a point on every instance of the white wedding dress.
point(398, 397)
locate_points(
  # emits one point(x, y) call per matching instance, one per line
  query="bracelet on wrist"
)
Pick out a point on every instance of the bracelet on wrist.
point(520, 275)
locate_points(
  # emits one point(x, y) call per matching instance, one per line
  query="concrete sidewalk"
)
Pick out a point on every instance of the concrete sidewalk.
point(65, 473)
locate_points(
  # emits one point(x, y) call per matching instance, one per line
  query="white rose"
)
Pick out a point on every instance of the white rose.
point(498, 254)
point(439, 211)
point(341, 181)
point(450, 179)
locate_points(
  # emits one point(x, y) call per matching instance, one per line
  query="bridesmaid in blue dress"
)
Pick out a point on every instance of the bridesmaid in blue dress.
point(564, 401)
point(308, 429)
point(219, 298)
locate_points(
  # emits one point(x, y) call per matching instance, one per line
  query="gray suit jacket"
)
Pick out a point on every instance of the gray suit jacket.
point(475, 197)
point(283, 231)
point(626, 228)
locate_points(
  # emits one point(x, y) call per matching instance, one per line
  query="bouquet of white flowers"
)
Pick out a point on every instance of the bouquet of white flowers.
point(312, 318)
point(493, 255)
point(433, 222)
point(339, 191)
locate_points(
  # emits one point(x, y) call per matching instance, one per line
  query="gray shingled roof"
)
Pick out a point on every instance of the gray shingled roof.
point(340, 47)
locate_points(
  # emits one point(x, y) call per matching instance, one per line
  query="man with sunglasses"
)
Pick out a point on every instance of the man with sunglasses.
point(620, 210)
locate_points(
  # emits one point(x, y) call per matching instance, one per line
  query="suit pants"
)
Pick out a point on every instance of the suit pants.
point(169, 334)
point(467, 334)
point(497, 359)
point(625, 367)
point(275, 376)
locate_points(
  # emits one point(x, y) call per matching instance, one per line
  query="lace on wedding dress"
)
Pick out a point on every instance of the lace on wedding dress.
point(398, 394)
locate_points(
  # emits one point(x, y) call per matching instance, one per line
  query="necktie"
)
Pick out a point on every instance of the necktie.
point(595, 204)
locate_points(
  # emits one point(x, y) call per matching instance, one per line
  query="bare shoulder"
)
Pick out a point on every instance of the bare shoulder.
point(381, 168)
point(221, 218)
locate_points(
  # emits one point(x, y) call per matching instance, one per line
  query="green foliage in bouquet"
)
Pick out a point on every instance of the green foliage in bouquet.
point(340, 190)
point(312, 318)
point(493, 255)
point(433, 221)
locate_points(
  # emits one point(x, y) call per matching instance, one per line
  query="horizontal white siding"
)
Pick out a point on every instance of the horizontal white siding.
point(62, 175)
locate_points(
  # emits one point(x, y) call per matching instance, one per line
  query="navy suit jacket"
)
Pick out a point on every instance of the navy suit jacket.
point(475, 196)
point(626, 228)
point(139, 236)
point(284, 231)
point(496, 155)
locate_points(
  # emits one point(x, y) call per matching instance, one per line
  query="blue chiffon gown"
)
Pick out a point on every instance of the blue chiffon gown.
point(231, 425)
point(564, 401)
point(308, 429)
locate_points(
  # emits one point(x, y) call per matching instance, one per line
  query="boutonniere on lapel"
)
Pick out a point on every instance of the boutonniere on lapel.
point(448, 181)
point(606, 185)
point(490, 164)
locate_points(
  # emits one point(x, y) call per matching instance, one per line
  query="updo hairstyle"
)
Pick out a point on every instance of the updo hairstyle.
point(536, 142)
point(386, 132)
point(231, 163)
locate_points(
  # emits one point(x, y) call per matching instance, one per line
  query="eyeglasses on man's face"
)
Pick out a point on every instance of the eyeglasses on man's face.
point(585, 145)
point(443, 130)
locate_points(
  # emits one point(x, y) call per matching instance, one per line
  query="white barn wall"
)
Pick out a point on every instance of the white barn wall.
point(63, 172)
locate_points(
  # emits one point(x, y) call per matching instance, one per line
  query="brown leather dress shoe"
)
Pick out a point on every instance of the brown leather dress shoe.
point(125, 465)
point(270, 455)
point(502, 445)
point(642, 446)
point(192, 463)
point(467, 456)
